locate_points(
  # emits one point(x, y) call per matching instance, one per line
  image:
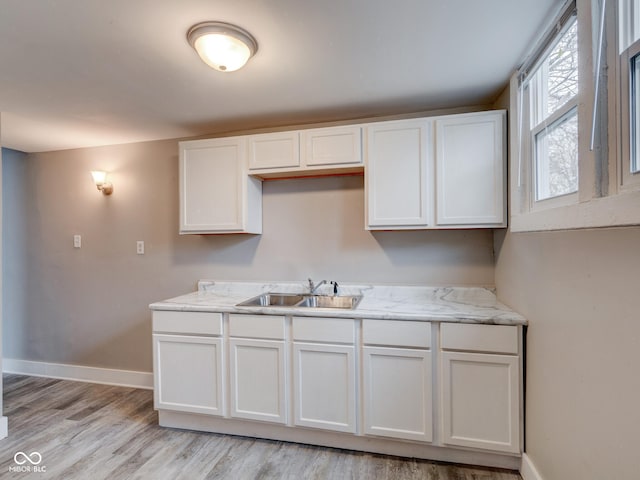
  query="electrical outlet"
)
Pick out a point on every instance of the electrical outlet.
point(77, 241)
point(140, 247)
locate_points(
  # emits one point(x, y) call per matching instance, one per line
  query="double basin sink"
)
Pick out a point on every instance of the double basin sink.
point(303, 300)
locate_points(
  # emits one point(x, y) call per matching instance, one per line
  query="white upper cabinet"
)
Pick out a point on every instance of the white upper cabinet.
point(398, 174)
point(216, 194)
point(331, 146)
point(440, 172)
point(306, 152)
point(274, 150)
point(426, 173)
point(470, 169)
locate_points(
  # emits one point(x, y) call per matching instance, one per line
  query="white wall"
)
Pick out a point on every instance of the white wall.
point(89, 306)
point(579, 290)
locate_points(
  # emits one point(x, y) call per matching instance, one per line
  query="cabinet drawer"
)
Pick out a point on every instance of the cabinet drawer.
point(256, 326)
point(397, 333)
point(480, 338)
point(197, 323)
point(323, 329)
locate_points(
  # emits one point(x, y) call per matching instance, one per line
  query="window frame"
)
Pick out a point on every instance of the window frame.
point(602, 199)
point(627, 179)
point(533, 92)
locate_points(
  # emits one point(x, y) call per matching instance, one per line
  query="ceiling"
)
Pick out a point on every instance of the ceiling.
point(78, 73)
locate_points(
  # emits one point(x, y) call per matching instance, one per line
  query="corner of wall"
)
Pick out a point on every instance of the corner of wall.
point(528, 470)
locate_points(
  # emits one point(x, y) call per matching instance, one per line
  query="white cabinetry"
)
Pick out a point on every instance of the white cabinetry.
point(330, 150)
point(397, 396)
point(440, 172)
point(481, 391)
point(324, 374)
point(399, 171)
point(188, 362)
point(332, 146)
point(274, 150)
point(257, 367)
point(470, 169)
point(216, 194)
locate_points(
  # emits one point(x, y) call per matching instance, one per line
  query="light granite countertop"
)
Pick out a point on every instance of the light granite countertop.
point(435, 304)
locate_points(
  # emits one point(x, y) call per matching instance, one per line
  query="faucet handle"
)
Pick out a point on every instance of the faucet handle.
point(335, 287)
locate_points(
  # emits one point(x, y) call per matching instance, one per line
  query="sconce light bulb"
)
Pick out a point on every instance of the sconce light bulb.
point(100, 179)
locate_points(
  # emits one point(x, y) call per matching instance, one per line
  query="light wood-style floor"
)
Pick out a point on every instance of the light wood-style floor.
point(89, 431)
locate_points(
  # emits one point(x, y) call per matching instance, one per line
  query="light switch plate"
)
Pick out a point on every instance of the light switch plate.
point(140, 247)
point(77, 241)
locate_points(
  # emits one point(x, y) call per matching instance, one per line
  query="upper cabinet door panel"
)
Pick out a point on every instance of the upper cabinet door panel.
point(211, 185)
point(274, 150)
point(332, 146)
point(470, 169)
point(216, 195)
point(398, 174)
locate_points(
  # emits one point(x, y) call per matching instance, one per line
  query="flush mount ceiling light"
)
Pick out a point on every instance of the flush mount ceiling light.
point(222, 46)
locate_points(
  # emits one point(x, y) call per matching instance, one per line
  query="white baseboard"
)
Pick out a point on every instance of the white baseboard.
point(528, 470)
point(107, 376)
point(4, 427)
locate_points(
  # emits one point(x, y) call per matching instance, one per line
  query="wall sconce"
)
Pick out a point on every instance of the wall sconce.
point(100, 178)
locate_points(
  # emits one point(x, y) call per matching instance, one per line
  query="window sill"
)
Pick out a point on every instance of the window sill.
point(618, 210)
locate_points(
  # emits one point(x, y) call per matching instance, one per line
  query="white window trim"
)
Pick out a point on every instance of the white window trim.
point(558, 200)
point(626, 179)
point(620, 206)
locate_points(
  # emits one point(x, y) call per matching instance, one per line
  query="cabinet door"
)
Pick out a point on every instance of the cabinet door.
point(324, 386)
point(481, 401)
point(397, 393)
point(274, 150)
point(398, 174)
point(332, 146)
point(258, 386)
point(216, 196)
point(471, 182)
point(188, 374)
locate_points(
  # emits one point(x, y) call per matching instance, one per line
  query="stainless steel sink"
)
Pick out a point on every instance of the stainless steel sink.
point(330, 301)
point(347, 302)
point(273, 300)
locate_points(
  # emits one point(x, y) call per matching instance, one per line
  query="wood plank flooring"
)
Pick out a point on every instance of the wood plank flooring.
point(89, 431)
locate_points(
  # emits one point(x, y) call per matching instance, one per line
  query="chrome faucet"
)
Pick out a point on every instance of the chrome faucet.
point(313, 287)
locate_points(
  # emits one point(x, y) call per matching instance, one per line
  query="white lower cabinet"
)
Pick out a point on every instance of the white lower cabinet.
point(188, 374)
point(257, 367)
point(451, 386)
point(397, 393)
point(397, 379)
point(325, 386)
point(258, 387)
point(481, 391)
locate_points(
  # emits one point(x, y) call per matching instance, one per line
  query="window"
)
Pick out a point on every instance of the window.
point(554, 118)
point(549, 93)
point(575, 156)
point(630, 90)
point(634, 96)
